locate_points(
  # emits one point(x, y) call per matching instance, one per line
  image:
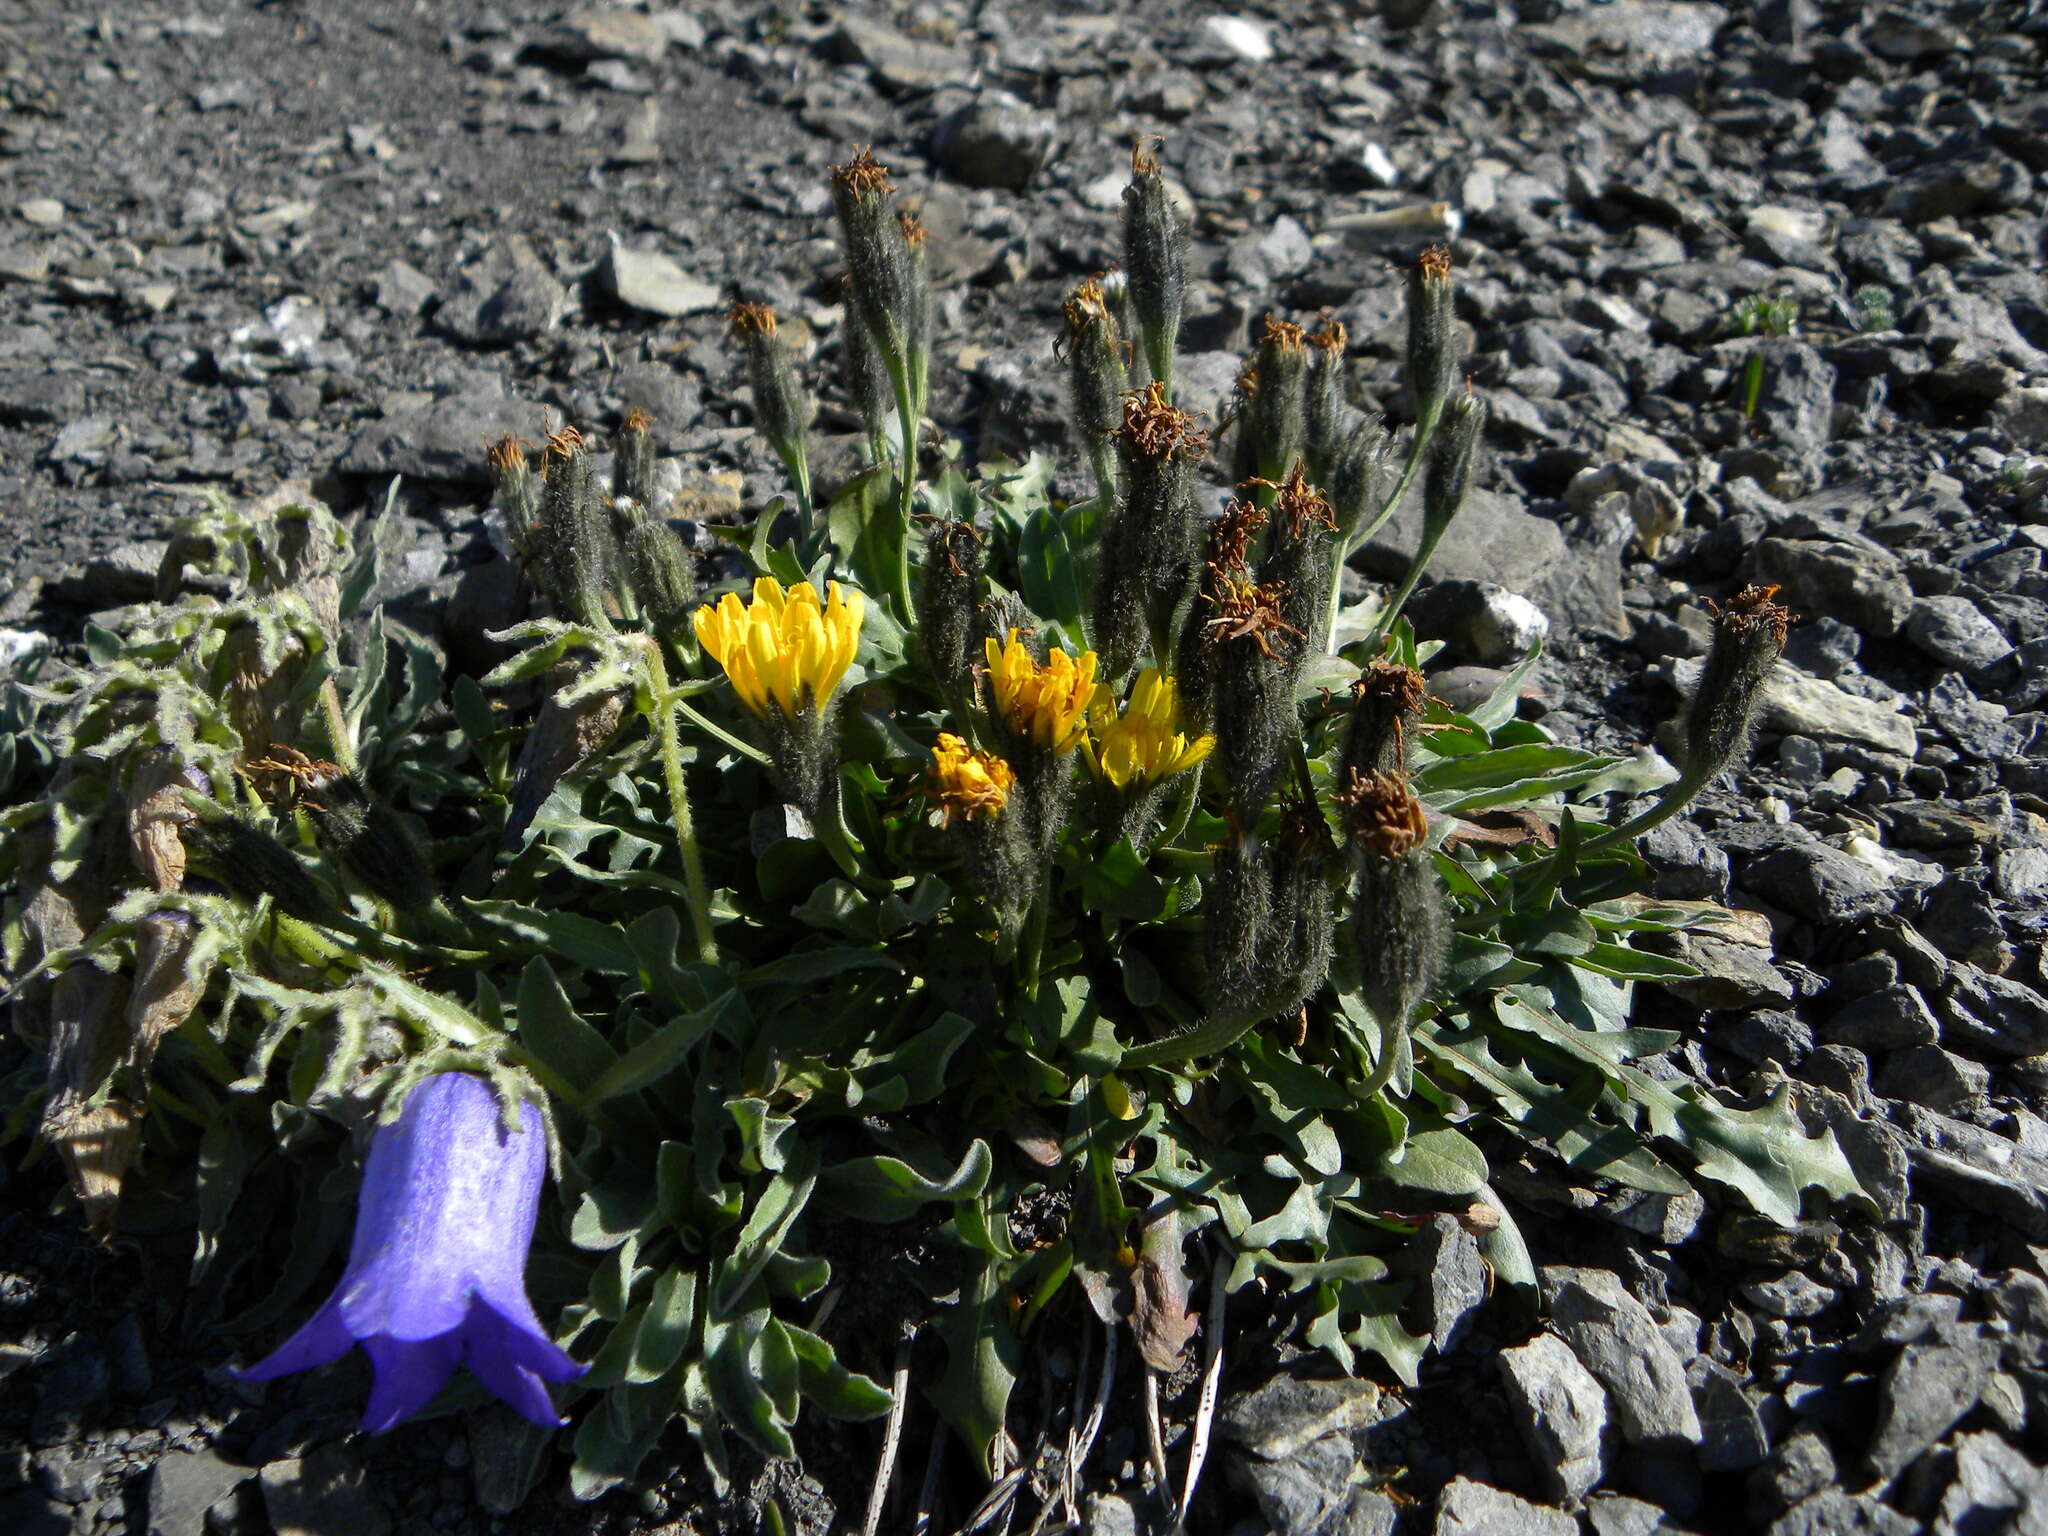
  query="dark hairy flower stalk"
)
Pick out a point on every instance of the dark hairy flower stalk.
point(1298, 554)
point(1093, 347)
point(1156, 261)
point(890, 289)
point(1272, 422)
point(952, 629)
point(660, 572)
point(781, 410)
point(1224, 568)
point(1257, 656)
point(518, 493)
point(866, 379)
point(1149, 547)
point(577, 552)
point(1398, 933)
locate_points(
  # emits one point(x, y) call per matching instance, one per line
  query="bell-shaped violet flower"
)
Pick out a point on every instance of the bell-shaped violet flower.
point(436, 1272)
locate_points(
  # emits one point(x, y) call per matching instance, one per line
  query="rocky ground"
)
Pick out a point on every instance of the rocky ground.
point(342, 240)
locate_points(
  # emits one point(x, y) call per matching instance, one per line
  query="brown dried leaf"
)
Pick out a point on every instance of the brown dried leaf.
point(1162, 1321)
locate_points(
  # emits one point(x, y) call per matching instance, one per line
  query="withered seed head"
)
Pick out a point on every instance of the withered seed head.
point(1282, 336)
point(1253, 611)
point(1753, 609)
point(1386, 701)
point(561, 445)
point(1156, 429)
point(863, 175)
point(1331, 337)
point(1436, 261)
point(1230, 539)
point(1381, 814)
point(1301, 506)
point(914, 233)
point(752, 319)
point(507, 453)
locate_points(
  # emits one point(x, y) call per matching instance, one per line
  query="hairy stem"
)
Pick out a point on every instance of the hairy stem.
point(697, 890)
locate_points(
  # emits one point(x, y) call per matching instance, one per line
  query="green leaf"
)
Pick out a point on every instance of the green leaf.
point(664, 1331)
point(662, 1052)
point(973, 1396)
point(733, 1373)
point(1379, 1330)
point(555, 1033)
point(887, 1189)
point(829, 1385)
point(596, 946)
point(810, 966)
point(768, 1223)
point(1048, 578)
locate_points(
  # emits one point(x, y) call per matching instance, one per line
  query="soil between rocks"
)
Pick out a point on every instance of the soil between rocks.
point(338, 240)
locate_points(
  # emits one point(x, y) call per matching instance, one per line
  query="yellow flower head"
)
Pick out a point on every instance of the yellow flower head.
point(965, 783)
point(1145, 744)
point(1046, 705)
point(783, 649)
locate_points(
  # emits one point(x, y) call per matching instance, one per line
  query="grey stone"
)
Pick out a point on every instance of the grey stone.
point(900, 62)
point(444, 440)
point(1930, 1076)
point(1862, 586)
point(1732, 1437)
point(1466, 1508)
point(1996, 1488)
point(1686, 864)
point(1493, 539)
point(1788, 1295)
point(1452, 1278)
point(1615, 1338)
point(73, 1394)
point(1108, 1514)
point(325, 1493)
point(1662, 30)
point(1616, 1514)
point(66, 1475)
point(505, 295)
point(1478, 621)
point(1818, 882)
point(1889, 1019)
point(1983, 1170)
point(612, 32)
point(1797, 400)
point(1993, 1014)
point(1796, 701)
point(1925, 1391)
point(1276, 1419)
point(401, 289)
point(995, 141)
point(1801, 1466)
point(1954, 631)
point(1834, 1512)
point(1561, 1411)
point(1732, 974)
point(184, 1485)
point(654, 284)
point(28, 399)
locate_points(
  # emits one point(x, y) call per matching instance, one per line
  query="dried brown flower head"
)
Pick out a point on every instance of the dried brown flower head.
point(1381, 813)
point(1157, 429)
point(1301, 505)
point(1230, 540)
point(1252, 611)
point(1282, 336)
point(914, 233)
point(637, 420)
point(1752, 609)
point(752, 319)
point(863, 175)
point(1388, 684)
point(1332, 337)
point(563, 444)
point(1436, 261)
point(507, 453)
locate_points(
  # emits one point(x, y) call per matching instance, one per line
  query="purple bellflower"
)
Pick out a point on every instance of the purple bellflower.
point(436, 1271)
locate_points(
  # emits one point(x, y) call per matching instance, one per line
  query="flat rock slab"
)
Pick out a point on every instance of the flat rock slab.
point(444, 440)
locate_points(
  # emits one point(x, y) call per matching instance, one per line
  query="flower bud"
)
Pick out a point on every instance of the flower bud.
point(633, 459)
point(369, 838)
point(1328, 412)
point(660, 572)
point(866, 379)
point(972, 793)
point(1450, 465)
point(1358, 482)
point(1398, 930)
point(1094, 352)
point(1298, 945)
point(1272, 424)
point(1386, 706)
point(951, 627)
point(1237, 904)
point(1749, 637)
point(252, 863)
point(1149, 546)
point(577, 550)
point(1432, 335)
point(1155, 258)
point(880, 279)
point(518, 493)
point(781, 413)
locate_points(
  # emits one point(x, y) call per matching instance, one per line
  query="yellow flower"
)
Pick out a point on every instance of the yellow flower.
point(783, 648)
point(1145, 744)
point(1046, 705)
point(965, 783)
